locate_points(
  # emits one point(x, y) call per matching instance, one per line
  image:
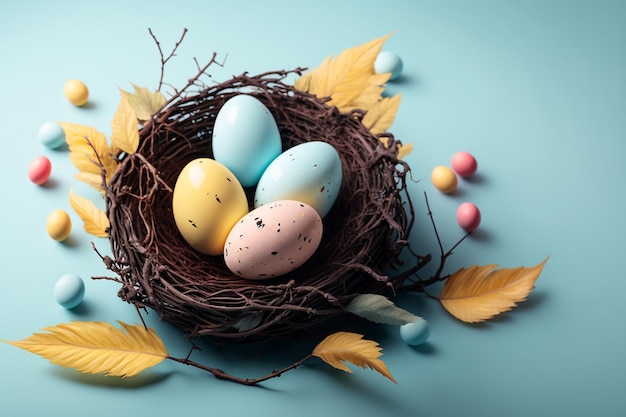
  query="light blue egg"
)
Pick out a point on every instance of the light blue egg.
point(388, 61)
point(51, 135)
point(310, 173)
point(69, 290)
point(245, 138)
point(415, 333)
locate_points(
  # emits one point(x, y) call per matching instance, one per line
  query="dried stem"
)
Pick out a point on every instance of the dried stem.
point(165, 59)
point(220, 374)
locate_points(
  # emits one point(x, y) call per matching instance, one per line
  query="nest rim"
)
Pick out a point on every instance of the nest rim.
point(364, 233)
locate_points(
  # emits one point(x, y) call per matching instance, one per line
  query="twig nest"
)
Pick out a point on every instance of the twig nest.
point(364, 231)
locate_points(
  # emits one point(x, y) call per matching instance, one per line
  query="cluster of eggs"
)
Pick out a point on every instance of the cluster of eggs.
point(444, 179)
point(69, 289)
point(293, 190)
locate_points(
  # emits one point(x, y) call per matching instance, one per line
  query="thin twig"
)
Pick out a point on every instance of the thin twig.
point(220, 374)
point(163, 58)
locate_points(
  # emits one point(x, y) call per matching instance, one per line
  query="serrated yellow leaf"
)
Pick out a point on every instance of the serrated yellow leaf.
point(382, 114)
point(97, 347)
point(144, 102)
point(351, 347)
point(95, 221)
point(479, 292)
point(404, 150)
point(89, 150)
point(124, 127)
point(346, 78)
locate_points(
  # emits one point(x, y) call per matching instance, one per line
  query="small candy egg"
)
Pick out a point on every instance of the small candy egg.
point(59, 225)
point(388, 61)
point(39, 170)
point(69, 291)
point(415, 333)
point(51, 135)
point(245, 138)
point(310, 172)
point(444, 179)
point(468, 217)
point(464, 164)
point(273, 240)
point(76, 92)
point(207, 201)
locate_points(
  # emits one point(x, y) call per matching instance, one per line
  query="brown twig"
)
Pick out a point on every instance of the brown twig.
point(165, 59)
point(220, 374)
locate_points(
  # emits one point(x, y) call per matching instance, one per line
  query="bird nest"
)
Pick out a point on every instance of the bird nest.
point(364, 233)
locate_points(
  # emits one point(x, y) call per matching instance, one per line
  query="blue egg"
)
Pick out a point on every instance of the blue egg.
point(388, 61)
point(310, 173)
point(245, 138)
point(415, 333)
point(69, 290)
point(51, 134)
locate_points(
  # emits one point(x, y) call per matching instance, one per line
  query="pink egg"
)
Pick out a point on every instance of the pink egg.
point(273, 239)
point(39, 170)
point(464, 164)
point(468, 217)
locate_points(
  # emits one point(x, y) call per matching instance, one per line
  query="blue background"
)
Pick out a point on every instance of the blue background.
point(536, 90)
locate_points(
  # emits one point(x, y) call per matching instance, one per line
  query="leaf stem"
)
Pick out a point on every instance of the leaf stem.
point(220, 374)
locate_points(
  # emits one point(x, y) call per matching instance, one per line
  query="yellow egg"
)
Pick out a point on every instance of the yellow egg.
point(76, 92)
point(207, 201)
point(444, 179)
point(59, 225)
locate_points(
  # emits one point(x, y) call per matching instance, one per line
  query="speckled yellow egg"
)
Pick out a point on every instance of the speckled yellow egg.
point(59, 225)
point(207, 201)
point(444, 179)
point(76, 92)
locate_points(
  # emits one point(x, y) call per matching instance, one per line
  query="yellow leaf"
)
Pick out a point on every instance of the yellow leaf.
point(381, 115)
point(95, 221)
point(144, 102)
point(404, 150)
point(347, 77)
point(89, 150)
point(351, 347)
point(124, 128)
point(91, 179)
point(478, 293)
point(97, 347)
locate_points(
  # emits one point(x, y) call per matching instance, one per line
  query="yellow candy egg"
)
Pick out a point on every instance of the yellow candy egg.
point(208, 200)
point(444, 179)
point(76, 92)
point(59, 225)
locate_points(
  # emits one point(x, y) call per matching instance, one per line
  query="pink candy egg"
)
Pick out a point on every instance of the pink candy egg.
point(468, 217)
point(39, 170)
point(464, 164)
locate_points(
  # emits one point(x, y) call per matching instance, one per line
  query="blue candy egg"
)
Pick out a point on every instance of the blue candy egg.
point(388, 61)
point(415, 333)
point(51, 135)
point(310, 173)
point(245, 138)
point(69, 290)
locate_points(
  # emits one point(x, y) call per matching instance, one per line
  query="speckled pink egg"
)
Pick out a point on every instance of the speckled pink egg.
point(273, 239)
point(468, 216)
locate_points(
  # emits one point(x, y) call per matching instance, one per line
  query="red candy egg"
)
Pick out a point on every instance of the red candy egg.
point(464, 164)
point(468, 217)
point(39, 170)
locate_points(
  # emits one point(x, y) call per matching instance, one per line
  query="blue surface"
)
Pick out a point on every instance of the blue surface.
point(535, 90)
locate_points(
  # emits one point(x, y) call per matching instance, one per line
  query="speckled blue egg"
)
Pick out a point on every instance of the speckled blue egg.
point(51, 135)
point(245, 138)
point(388, 61)
point(415, 333)
point(69, 290)
point(310, 172)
